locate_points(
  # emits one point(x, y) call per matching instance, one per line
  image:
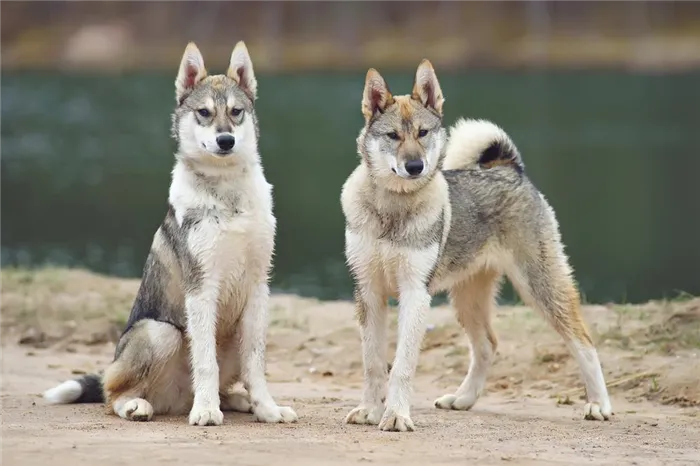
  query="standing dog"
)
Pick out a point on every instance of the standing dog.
point(424, 216)
point(198, 325)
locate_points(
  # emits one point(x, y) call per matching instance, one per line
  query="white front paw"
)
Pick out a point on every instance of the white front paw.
point(365, 414)
point(393, 421)
point(274, 414)
point(203, 416)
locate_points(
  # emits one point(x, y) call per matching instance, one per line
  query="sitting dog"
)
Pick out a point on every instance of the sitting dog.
point(198, 324)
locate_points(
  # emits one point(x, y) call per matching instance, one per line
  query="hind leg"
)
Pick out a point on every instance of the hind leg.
point(133, 409)
point(543, 280)
point(236, 399)
point(473, 300)
point(232, 394)
point(143, 379)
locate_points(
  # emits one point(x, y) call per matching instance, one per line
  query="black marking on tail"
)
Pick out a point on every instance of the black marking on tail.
point(92, 389)
point(501, 153)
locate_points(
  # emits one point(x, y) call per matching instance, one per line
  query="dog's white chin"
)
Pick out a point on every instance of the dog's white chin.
point(396, 172)
point(407, 177)
point(399, 184)
point(204, 159)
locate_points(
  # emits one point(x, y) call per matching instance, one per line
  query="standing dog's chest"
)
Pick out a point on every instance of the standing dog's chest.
point(384, 261)
point(396, 228)
point(394, 246)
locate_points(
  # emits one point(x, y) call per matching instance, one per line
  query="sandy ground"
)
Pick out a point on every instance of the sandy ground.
point(57, 323)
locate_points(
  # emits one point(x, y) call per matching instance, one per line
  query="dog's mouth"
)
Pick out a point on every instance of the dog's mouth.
point(218, 152)
point(406, 176)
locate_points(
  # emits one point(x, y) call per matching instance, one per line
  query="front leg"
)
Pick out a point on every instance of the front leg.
point(371, 313)
point(253, 338)
point(201, 309)
point(414, 303)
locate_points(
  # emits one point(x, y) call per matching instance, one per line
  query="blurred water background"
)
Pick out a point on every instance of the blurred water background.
point(602, 99)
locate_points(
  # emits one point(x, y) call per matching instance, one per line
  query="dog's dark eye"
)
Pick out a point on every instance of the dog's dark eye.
point(204, 112)
point(236, 111)
point(422, 133)
point(393, 135)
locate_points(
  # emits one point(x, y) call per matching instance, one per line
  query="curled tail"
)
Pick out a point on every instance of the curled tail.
point(481, 143)
point(86, 389)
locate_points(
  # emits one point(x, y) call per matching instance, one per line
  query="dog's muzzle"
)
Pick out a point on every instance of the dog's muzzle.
point(414, 167)
point(225, 143)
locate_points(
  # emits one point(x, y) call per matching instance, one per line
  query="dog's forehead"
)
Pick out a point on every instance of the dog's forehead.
point(406, 107)
point(405, 113)
point(222, 91)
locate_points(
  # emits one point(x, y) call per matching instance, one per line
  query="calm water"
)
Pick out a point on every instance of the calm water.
point(86, 162)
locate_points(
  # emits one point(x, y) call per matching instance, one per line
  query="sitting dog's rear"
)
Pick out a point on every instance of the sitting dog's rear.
point(199, 320)
point(424, 216)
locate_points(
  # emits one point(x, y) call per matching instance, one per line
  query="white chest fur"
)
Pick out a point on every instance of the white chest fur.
point(383, 263)
point(231, 224)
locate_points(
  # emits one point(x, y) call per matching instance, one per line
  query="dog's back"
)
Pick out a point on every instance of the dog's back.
point(491, 199)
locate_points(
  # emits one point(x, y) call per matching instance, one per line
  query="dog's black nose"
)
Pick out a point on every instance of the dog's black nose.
point(225, 141)
point(414, 167)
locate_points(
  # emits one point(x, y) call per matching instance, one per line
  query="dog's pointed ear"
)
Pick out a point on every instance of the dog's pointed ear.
point(376, 96)
point(191, 72)
point(240, 69)
point(426, 88)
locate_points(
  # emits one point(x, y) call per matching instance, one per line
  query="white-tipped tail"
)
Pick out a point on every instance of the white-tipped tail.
point(473, 142)
point(65, 393)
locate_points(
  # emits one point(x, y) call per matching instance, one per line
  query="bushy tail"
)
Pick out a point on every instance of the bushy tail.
point(86, 389)
point(475, 143)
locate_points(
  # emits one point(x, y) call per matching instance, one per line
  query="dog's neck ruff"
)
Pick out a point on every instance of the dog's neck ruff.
point(233, 166)
point(212, 181)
